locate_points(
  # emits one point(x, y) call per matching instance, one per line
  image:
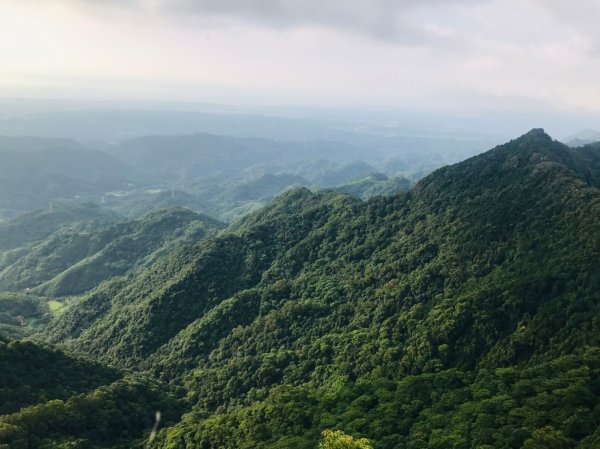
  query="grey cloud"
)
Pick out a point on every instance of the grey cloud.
point(580, 15)
point(379, 18)
point(385, 19)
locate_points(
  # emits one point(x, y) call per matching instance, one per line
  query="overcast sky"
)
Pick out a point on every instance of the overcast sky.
point(445, 55)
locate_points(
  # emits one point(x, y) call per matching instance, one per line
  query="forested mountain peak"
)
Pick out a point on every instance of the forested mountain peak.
point(534, 158)
point(166, 217)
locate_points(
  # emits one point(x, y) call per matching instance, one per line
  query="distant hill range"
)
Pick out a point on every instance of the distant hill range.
point(582, 138)
point(222, 176)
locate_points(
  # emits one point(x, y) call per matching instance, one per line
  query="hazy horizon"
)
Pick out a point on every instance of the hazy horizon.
point(511, 65)
point(496, 128)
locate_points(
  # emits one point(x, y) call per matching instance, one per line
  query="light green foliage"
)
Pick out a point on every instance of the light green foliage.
point(339, 440)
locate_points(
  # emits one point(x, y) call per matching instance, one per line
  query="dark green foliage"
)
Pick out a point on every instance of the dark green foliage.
point(203, 335)
point(112, 414)
point(30, 374)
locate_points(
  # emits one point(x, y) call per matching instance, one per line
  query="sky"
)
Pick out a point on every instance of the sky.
point(449, 56)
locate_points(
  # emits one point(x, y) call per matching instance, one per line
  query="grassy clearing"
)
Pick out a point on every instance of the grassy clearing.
point(56, 307)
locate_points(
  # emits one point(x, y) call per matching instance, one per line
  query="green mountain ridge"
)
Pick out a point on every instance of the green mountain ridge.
point(72, 261)
point(463, 313)
point(376, 184)
point(38, 225)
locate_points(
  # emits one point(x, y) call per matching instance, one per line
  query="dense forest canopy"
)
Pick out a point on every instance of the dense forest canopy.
point(461, 313)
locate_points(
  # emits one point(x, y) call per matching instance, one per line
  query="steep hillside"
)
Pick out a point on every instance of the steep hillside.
point(463, 313)
point(49, 399)
point(73, 261)
point(38, 225)
point(31, 373)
